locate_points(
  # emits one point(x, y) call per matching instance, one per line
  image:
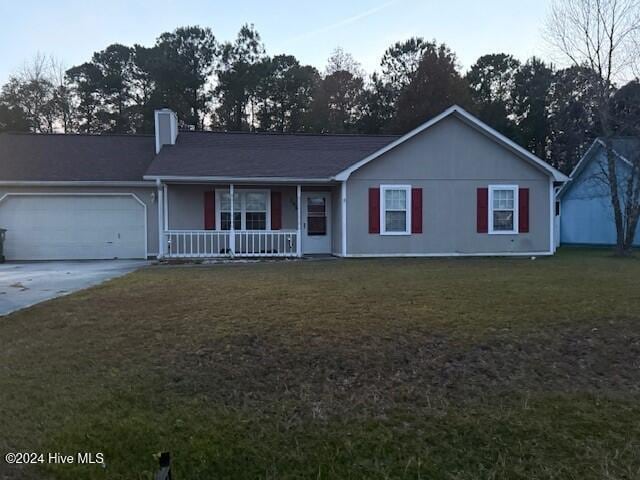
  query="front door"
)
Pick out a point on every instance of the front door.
point(316, 222)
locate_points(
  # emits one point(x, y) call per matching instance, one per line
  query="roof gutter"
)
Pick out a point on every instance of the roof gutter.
point(196, 179)
point(74, 183)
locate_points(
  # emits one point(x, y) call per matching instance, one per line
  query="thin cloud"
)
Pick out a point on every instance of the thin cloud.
point(343, 23)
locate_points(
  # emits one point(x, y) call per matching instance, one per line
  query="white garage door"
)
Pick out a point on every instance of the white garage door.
point(66, 227)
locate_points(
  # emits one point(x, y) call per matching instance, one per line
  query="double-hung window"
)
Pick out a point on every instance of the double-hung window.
point(255, 211)
point(503, 209)
point(250, 210)
point(225, 211)
point(395, 211)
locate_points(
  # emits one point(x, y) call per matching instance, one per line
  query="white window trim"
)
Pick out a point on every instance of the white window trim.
point(242, 209)
point(514, 188)
point(383, 226)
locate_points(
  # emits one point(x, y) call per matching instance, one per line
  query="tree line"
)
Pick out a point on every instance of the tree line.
point(236, 86)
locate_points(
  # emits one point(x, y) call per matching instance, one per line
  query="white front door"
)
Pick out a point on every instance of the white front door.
point(316, 222)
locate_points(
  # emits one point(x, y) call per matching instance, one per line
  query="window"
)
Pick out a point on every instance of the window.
point(250, 210)
point(316, 216)
point(225, 211)
point(395, 211)
point(503, 209)
point(255, 211)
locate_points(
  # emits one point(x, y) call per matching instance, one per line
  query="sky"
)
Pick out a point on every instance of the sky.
point(71, 30)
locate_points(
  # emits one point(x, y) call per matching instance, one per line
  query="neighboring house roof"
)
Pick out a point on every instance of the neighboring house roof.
point(625, 148)
point(59, 157)
point(263, 155)
point(472, 121)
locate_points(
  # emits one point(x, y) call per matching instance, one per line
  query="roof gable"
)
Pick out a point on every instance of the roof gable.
point(623, 147)
point(466, 117)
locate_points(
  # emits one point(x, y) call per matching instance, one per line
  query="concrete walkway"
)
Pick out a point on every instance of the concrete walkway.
point(23, 284)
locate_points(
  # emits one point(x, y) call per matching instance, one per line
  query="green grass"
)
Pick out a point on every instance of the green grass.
point(447, 368)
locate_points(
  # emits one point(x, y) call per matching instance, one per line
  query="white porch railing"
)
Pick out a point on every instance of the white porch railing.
point(239, 243)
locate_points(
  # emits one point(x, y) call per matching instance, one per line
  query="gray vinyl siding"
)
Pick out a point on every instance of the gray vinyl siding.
point(143, 193)
point(449, 161)
point(186, 206)
point(289, 206)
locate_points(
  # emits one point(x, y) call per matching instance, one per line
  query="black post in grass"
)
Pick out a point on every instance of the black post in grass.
point(165, 467)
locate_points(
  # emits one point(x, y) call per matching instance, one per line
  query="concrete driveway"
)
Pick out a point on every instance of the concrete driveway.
point(23, 284)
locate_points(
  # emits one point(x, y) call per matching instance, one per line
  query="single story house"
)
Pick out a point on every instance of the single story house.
point(451, 187)
point(587, 214)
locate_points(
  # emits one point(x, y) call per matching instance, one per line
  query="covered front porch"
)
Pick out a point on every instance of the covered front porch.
point(233, 220)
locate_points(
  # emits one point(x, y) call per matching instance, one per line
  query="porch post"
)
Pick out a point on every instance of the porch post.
point(299, 234)
point(165, 206)
point(232, 231)
point(160, 202)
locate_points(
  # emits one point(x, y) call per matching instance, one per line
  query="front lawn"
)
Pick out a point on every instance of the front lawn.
point(362, 369)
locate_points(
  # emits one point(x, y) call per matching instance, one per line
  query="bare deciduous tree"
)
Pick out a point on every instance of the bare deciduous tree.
point(62, 96)
point(603, 35)
point(40, 90)
point(339, 60)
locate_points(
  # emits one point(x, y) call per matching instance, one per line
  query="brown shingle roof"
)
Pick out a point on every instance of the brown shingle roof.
point(58, 157)
point(226, 154)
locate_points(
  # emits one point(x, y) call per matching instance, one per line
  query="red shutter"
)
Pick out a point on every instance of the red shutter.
point(210, 210)
point(276, 210)
point(523, 210)
point(482, 205)
point(416, 210)
point(374, 210)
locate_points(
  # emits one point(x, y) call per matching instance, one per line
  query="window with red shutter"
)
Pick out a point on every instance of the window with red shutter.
point(416, 210)
point(523, 210)
point(482, 210)
point(210, 210)
point(374, 210)
point(503, 209)
point(395, 209)
point(276, 210)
